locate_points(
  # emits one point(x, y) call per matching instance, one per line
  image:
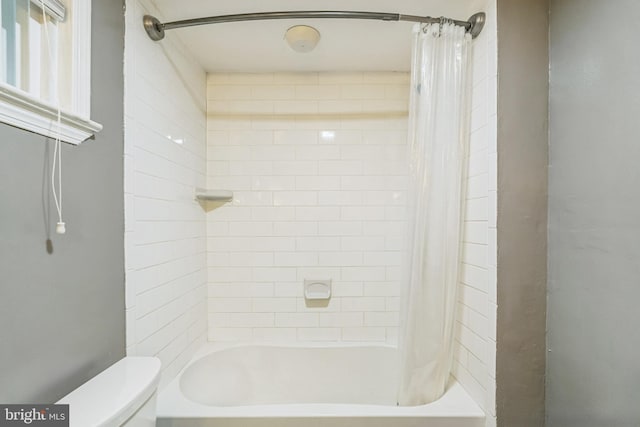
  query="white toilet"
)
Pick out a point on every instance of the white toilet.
point(122, 395)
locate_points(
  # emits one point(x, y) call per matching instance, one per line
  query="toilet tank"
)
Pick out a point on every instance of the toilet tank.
point(122, 395)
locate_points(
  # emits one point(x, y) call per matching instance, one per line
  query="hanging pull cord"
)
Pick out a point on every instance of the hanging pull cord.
point(57, 150)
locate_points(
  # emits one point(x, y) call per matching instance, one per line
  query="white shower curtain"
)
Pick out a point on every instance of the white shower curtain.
point(438, 138)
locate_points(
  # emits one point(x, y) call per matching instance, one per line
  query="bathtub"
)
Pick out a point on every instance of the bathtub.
point(314, 386)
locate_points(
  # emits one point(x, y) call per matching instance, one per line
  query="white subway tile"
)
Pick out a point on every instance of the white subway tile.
point(474, 254)
point(275, 213)
point(347, 289)
point(275, 153)
point(249, 78)
point(381, 289)
point(362, 243)
point(363, 273)
point(340, 259)
point(130, 327)
point(317, 152)
point(257, 228)
point(317, 213)
point(274, 335)
point(393, 141)
point(272, 92)
point(224, 92)
point(229, 334)
point(317, 183)
point(367, 334)
point(241, 320)
point(317, 243)
point(249, 244)
point(340, 167)
point(475, 277)
point(250, 168)
point(387, 258)
point(340, 228)
point(492, 247)
point(318, 272)
point(297, 107)
point(492, 284)
point(477, 186)
point(392, 303)
point(272, 183)
point(251, 259)
point(396, 91)
point(288, 289)
point(317, 92)
point(341, 320)
point(240, 290)
point(296, 259)
point(363, 304)
point(362, 213)
point(252, 198)
point(291, 137)
point(386, 77)
point(478, 370)
point(302, 320)
point(472, 342)
point(366, 183)
point(319, 334)
point(340, 198)
point(295, 167)
point(229, 305)
point(246, 108)
point(295, 228)
point(273, 274)
point(334, 78)
point(476, 209)
point(381, 318)
point(297, 78)
point(475, 232)
point(340, 107)
point(145, 326)
point(274, 305)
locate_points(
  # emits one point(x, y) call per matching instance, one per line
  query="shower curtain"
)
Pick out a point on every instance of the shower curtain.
point(438, 139)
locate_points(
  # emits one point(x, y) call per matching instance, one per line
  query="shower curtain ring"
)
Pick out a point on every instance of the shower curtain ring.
point(441, 23)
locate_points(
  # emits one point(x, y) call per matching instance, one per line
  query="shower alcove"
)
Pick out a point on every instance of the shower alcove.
point(313, 147)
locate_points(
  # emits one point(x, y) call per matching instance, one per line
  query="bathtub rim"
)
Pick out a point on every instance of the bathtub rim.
point(172, 403)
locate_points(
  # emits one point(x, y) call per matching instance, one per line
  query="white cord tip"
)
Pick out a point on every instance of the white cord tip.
point(60, 228)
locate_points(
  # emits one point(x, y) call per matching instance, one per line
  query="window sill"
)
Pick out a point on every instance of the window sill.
point(22, 110)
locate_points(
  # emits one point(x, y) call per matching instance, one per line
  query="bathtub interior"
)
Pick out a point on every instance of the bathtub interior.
point(268, 375)
point(297, 385)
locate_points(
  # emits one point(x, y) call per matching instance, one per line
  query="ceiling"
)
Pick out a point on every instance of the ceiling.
point(345, 45)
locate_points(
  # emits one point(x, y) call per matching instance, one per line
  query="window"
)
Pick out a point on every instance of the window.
point(36, 77)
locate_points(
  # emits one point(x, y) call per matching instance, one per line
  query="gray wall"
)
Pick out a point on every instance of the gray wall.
point(593, 367)
point(522, 210)
point(62, 314)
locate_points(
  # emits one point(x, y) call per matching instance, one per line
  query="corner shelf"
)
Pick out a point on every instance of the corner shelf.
point(214, 195)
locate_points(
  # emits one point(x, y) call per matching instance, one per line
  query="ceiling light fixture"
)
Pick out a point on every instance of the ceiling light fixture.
point(302, 38)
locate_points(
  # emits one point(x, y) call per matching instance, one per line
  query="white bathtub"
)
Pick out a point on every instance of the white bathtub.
point(311, 386)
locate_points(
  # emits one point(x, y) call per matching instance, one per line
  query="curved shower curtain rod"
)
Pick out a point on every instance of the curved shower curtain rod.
point(155, 29)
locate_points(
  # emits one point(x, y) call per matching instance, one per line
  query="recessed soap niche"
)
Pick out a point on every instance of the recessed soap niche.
point(317, 289)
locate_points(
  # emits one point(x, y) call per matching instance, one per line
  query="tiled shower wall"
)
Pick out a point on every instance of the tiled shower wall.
point(475, 356)
point(165, 228)
point(316, 162)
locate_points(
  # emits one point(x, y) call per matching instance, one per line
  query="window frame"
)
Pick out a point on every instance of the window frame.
point(21, 109)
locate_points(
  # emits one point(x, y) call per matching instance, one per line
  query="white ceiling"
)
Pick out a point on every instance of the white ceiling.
point(345, 45)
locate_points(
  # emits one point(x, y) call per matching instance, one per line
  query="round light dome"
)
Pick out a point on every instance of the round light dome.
point(302, 38)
